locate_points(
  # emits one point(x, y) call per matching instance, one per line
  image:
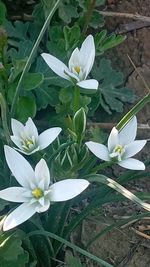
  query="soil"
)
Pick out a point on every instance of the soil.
point(125, 247)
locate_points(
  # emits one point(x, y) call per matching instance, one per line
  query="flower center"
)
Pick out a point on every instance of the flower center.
point(28, 143)
point(77, 69)
point(37, 193)
point(119, 149)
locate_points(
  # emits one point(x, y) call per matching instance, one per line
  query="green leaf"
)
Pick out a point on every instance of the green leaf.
point(74, 247)
point(65, 95)
point(2, 12)
point(26, 107)
point(46, 95)
point(97, 20)
point(23, 50)
point(110, 83)
point(99, 37)
point(119, 188)
point(72, 36)
point(111, 41)
point(68, 10)
point(56, 45)
point(17, 30)
point(32, 81)
point(18, 66)
point(72, 261)
point(11, 251)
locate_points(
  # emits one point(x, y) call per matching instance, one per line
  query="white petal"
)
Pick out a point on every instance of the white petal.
point(74, 60)
point(18, 216)
point(14, 194)
point(132, 164)
point(88, 84)
point(133, 148)
point(113, 139)
point(16, 140)
point(72, 76)
point(128, 133)
point(31, 129)
point(19, 166)
point(98, 150)
point(43, 208)
point(17, 127)
point(56, 65)
point(87, 53)
point(27, 152)
point(42, 174)
point(48, 136)
point(67, 189)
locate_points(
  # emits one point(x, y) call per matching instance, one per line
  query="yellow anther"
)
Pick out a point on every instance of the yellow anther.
point(119, 149)
point(29, 142)
point(77, 69)
point(37, 193)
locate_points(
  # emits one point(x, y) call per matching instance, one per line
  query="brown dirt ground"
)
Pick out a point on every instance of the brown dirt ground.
point(124, 247)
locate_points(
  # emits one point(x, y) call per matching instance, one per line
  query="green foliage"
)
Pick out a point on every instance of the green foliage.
point(32, 81)
point(26, 107)
point(111, 94)
point(72, 36)
point(72, 261)
point(18, 30)
point(68, 10)
point(42, 89)
point(104, 42)
point(2, 12)
point(97, 20)
point(11, 251)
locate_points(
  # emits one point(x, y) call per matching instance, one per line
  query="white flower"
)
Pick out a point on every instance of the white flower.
point(27, 138)
point(36, 192)
point(121, 147)
point(80, 65)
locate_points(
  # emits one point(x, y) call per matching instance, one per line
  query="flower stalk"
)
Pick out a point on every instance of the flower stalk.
point(76, 104)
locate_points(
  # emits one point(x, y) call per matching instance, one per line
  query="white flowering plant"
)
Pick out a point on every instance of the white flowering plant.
point(55, 171)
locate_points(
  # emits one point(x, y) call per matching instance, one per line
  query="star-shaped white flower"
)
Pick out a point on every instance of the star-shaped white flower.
point(27, 138)
point(121, 147)
point(35, 192)
point(80, 65)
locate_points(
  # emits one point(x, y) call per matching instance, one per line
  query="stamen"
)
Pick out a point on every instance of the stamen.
point(37, 193)
point(119, 149)
point(28, 143)
point(77, 69)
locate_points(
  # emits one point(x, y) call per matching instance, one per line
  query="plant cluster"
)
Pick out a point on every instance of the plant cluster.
point(53, 72)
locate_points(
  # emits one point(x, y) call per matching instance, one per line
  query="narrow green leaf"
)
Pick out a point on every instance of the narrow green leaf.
point(69, 244)
point(145, 100)
point(119, 188)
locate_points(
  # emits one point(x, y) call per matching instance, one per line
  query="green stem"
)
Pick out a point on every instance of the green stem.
point(133, 111)
point(88, 15)
point(4, 118)
point(76, 103)
point(29, 61)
